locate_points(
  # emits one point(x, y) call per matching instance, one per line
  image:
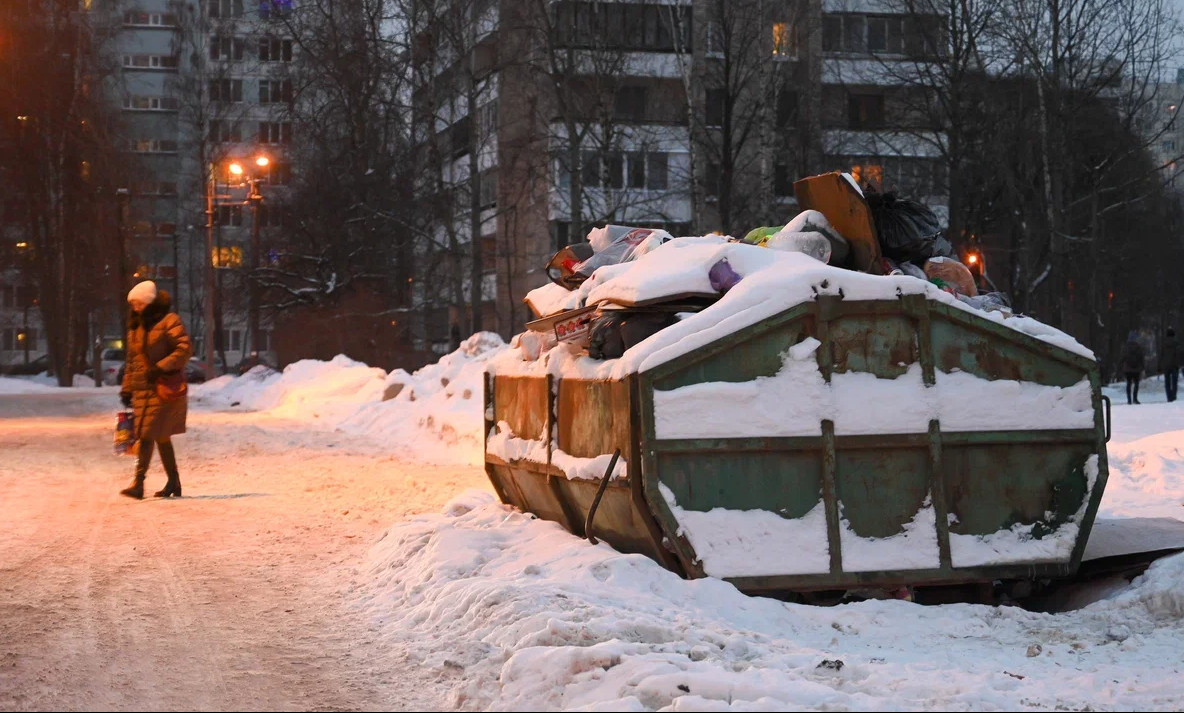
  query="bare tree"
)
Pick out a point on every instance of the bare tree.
point(60, 158)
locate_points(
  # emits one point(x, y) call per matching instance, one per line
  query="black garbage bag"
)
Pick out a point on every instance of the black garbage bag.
point(909, 231)
point(561, 266)
point(615, 331)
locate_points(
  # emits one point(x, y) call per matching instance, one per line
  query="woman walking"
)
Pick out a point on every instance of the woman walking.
point(157, 350)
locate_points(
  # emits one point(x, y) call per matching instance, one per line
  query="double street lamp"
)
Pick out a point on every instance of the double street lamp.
point(254, 197)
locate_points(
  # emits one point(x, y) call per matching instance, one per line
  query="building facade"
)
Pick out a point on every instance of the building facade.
point(203, 85)
point(693, 116)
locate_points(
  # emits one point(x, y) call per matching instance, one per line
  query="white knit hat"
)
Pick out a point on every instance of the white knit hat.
point(144, 292)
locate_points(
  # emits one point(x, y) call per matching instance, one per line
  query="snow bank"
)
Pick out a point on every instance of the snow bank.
point(521, 616)
point(436, 415)
point(42, 383)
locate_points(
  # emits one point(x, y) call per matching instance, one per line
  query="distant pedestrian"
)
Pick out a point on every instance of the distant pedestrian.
point(1169, 363)
point(157, 349)
point(1132, 362)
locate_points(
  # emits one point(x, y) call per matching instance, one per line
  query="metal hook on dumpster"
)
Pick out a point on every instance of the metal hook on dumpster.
point(1106, 403)
point(612, 464)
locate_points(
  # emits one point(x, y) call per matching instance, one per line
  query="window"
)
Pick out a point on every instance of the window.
point(223, 47)
point(711, 178)
point(647, 170)
point(279, 173)
point(782, 183)
point(1169, 146)
point(614, 170)
point(715, 39)
point(226, 8)
point(232, 339)
point(154, 146)
point(645, 27)
point(832, 33)
point(143, 103)
point(714, 109)
point(222, 131)
point(275, 91)
point(149, 61)
point(630, 103)
point(487, 119)
point(275, 132)
point(226, 90)
point(138, 18)
point(868, 174)
point(877, 34)
point(635, 165)
point(230, 215)
point(488, 187)
point(272, 215)
point(784, 41)
point(655, 174)
point(275, 50)
point(787, 109)
point(274, 9)
point(865, 111)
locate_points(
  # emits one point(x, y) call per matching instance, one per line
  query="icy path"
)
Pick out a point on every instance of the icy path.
point(231, 598)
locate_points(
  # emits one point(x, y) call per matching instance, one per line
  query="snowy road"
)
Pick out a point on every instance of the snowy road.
point(231, 598)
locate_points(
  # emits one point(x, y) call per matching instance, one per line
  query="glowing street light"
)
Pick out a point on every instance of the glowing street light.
point(236, 169)
point(262, 161)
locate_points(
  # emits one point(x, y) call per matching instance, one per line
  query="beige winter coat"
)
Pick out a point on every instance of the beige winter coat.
point(160, 340)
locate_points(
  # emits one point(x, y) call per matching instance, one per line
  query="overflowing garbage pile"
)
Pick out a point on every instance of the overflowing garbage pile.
point(625, 285)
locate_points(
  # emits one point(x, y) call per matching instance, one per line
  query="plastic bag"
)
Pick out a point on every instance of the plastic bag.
point(813, 244)
point(125, 438)
point(722, 276)
point(562, 266)
point(953, 273)
point(989, 302)
point(615, 244)
point(616, 331)
point(812, 221)
point(908, 230)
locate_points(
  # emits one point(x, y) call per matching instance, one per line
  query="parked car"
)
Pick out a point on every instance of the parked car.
point(111, 365)
point(34, 367)
point(195, 370)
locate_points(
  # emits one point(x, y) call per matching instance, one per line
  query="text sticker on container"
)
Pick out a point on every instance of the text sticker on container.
point(575, 328)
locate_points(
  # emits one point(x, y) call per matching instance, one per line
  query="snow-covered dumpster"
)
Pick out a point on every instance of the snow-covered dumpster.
point(813, 428)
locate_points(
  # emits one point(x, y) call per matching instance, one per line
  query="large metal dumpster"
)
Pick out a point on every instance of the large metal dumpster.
point(907, 503)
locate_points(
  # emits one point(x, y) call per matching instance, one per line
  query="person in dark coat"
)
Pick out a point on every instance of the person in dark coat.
point(1132, 362)
point(1169, 363)
point(157, 346)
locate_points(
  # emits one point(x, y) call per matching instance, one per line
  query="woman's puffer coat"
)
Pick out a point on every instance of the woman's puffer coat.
point(156, 337)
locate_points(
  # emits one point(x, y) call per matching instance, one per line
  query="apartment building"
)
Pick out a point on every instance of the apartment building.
point(202, 85)
point(692, 115)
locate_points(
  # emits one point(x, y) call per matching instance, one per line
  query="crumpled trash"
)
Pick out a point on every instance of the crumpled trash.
point(813, 244)
point(953, 273)
point(561, 268)
point(615, 331)
point(989, 302)
point(722, 276)
point(615, 244)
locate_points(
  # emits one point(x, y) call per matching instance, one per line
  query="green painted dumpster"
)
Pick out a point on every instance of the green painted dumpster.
point(760, 458)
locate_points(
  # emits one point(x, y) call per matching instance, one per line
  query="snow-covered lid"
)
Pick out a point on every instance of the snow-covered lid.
point(772, 282)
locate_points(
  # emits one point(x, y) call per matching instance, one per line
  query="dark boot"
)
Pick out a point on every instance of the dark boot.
point(136, 489)
point(169, 458)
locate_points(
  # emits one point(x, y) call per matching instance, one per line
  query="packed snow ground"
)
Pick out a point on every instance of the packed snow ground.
point(489, 608)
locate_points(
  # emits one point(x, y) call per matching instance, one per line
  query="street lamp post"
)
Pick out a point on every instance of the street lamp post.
point(255, 198)
point(208, 302)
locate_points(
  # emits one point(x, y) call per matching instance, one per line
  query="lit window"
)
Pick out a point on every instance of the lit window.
point(227, 257)
point(783, 40)
point(868, 174)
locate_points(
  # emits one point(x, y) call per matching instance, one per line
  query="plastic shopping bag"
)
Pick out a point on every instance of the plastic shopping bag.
point(125, 437)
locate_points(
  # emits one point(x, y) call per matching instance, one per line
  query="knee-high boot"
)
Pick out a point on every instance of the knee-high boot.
point(169, 458)
point(136, 489)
